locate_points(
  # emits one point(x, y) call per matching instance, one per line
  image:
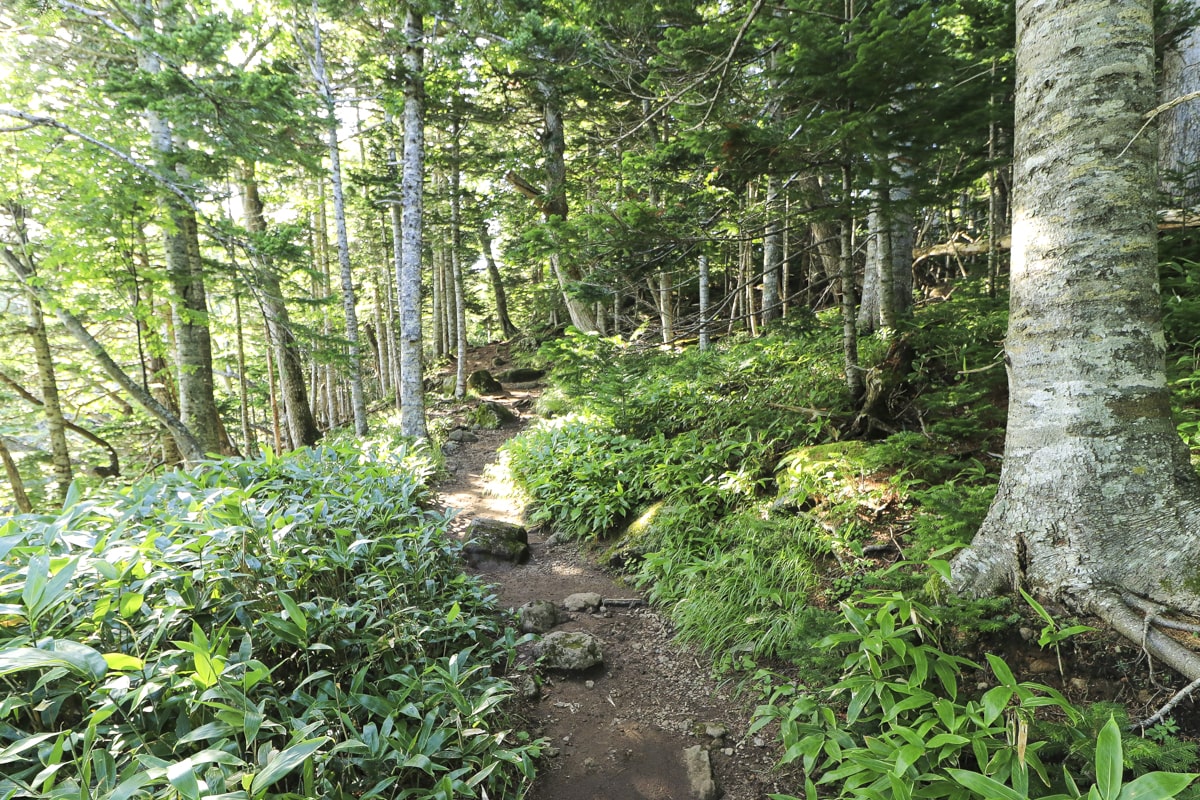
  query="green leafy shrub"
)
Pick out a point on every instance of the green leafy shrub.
point(578, 474)
point(291, 627)
point(899, 723)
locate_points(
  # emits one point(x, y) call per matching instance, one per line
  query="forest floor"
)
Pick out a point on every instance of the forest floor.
point(620, 729)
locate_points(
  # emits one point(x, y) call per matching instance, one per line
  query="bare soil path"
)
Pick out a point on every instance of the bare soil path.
point(618, 731)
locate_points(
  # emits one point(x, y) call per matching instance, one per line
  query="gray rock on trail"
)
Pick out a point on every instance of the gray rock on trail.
point(490, 410)
point(573, 651)
point(538, 616)
point(495, 541)
point(700, 775)
point(583, 601)
point(522, 375)
point(460, 435)
point(483, 382)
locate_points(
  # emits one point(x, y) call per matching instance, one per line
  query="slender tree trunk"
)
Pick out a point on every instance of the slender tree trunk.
point(358, 403)
point(297, 411)
point(507, 329)
point(772, 254)
point(438, 302)
point(248, 439)
point(20, 498)
point(460, 301)
point(554, 150)
point(192, 450)
point(51, 405)
point(854, 376)
point(412, 408)
point(663, 293)
point(704, 323)
point(1098, 500)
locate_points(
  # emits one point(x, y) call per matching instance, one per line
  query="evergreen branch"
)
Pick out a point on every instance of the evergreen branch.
point(51, 122)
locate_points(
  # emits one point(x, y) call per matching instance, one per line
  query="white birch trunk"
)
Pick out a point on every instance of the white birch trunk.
point(408, 280)
point(704, 324)
point(772, 254)
point(1097, 490)
point(358, 403)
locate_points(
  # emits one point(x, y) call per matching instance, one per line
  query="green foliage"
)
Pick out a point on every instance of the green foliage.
point(900, 723)
point(296, 626)
point(741, 587)
point(578, 474)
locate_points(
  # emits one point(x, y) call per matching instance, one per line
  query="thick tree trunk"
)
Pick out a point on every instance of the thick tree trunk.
point(408, 279)
point(1179, 128)
point(1097, 491)
point(193, 343)
point(358, 403)
point(297, 411)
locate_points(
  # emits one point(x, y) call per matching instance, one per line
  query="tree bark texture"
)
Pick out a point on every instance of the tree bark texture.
point(1179, 128)
point(269, 292)
point(1097, 490)
point(55, 422)
point(412, 400)
point(554, 146)
point(358, 403)
point(772, 308)
point(193, 343)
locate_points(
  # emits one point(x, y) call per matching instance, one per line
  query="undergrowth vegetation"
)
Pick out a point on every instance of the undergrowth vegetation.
point(292, 627)
point(788, 536)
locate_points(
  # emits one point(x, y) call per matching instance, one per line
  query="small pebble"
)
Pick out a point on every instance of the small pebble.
point(590, 684)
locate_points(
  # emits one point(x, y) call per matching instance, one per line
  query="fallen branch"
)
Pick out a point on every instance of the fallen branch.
point(1161, 714)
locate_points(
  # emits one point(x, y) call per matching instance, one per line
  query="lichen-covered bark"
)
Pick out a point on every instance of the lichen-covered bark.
point(1097, 489)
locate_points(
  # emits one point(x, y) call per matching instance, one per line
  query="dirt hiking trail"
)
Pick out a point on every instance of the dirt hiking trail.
point(649, 723)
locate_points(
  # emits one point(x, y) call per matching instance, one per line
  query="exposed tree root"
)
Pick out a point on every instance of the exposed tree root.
point(1111, 607)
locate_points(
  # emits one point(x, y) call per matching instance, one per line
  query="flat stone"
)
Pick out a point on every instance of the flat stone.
point(537, 616)
point(700, 775)
point(582, 601)
point(573, 651)
point(460, 435)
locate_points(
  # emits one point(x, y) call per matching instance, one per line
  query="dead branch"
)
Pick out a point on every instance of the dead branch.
point(1160, 715)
